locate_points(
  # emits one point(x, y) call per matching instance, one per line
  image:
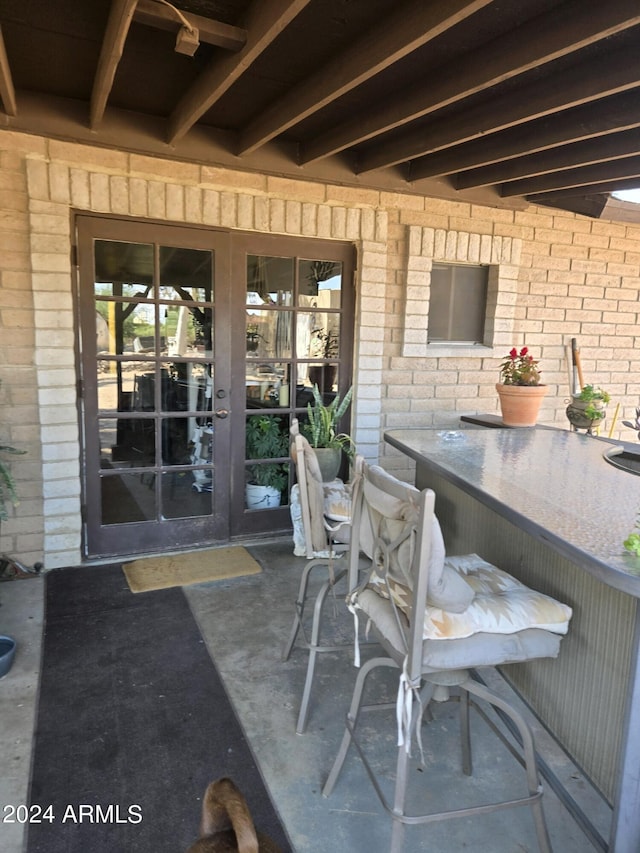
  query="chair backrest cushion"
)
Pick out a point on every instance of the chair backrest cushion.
point(391, 510)
point(314, 489)
point(331, 501)
point(337, 501)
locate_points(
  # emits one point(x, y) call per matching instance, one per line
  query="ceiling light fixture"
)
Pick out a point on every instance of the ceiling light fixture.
point(188, 38)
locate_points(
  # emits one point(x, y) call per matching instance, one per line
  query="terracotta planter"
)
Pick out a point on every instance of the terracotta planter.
point(520, 404)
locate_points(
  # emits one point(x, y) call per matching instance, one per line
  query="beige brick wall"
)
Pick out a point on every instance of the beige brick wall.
point(553, 276)
point(22, 534)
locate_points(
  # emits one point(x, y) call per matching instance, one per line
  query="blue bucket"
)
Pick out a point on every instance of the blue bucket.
point(7, 654)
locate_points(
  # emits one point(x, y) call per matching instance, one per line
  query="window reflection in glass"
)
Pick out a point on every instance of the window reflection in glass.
point(127, 498)
point(325, 376)
point(187, 330)
point(187, 494)
point(270, 281)
point(127, 442)
point(317, 335)
point(123, 269)
point(186, 274)
point(177, 444)
point(126, 327)
point(117, 383)
point(268, 334)
point(186, 386)
point(267, 384)
point(320, 283)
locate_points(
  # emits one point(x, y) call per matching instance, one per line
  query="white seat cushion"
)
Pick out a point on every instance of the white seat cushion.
point(501, 604)
point(478, 650)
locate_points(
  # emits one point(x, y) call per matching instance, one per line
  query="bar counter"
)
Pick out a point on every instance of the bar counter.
point(544, 505)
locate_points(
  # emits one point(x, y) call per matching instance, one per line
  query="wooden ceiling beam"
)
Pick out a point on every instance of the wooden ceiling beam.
point(120, 17)
point(564, 30)
point(582, 83)
point(559, 197)
point(587, 176)
point(7, 90)
point(587, 153)
point(593, 206)
point(264, 22)
point(616, 114)
point(385, 44)
point(154, 14)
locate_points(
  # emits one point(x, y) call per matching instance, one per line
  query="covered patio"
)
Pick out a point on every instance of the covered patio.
point(413, 135)
point(245, 644)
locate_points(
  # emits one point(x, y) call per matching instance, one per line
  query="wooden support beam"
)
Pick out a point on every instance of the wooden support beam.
point(154, 14)
point(376, 50)
point(565, 29)
point(595, 205)
point(620, 112)
point(264, 22)
point(7, 91)
point(558, 198)
point(585, 176)
point(582, 83)
point(601, 149)
point(120, 16)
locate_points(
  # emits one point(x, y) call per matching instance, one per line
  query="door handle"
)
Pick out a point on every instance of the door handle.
point(221, 413)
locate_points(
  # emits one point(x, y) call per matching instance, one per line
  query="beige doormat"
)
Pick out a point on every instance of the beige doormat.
point(195, 567)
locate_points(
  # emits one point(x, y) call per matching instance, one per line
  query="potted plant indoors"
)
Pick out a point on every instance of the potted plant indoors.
point(588, 408)
point(321, 430)
point(520, 390)
point(266, 439)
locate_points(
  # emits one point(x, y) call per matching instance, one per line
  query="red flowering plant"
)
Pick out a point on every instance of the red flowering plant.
point(519, 368)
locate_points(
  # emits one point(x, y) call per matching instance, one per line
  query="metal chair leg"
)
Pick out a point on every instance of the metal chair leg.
point(529, 756)
point(399, 795)
point(300, 604)
point(352, 721)
point(465, 733)
point(314, 649)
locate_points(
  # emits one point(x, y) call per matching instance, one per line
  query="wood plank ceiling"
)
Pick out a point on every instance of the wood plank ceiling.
point(489, 101)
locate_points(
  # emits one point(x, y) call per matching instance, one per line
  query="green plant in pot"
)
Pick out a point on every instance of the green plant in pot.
point(266, 438)
point(588, 408)
point(321, 430)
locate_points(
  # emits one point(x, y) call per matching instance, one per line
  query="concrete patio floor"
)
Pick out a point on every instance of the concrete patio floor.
point(244, 623)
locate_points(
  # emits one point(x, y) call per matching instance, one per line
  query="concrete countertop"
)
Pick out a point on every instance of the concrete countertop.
point(555, 484)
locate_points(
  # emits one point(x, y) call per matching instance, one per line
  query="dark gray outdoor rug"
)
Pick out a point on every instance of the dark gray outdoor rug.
point(133, 723)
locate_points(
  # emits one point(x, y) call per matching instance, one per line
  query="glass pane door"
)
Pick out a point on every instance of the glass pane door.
point(296, 322)
point(152, 459)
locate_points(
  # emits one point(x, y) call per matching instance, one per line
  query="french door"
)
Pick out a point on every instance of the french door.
point(193, 342)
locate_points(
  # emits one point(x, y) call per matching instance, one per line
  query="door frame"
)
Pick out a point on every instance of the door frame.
point(244, 522)
point(230, 247)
